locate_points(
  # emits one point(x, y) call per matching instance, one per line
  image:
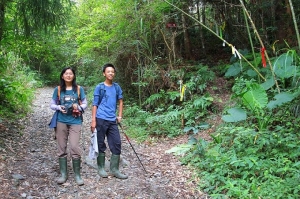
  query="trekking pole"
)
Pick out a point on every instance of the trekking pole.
point(132, 146)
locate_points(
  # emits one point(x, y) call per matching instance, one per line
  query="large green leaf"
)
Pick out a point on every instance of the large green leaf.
point(235, 115)
point(251, 73)
point(280, 99)
point(268, 83)
point(283, 67)
point(255, 98)
point(180, 149)
point(233, 70)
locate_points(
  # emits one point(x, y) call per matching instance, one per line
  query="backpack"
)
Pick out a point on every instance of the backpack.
point(102, 91)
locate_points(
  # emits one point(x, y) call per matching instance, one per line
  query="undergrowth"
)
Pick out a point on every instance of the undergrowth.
point(168, 115)
point(255, 153)
point(17, 85)
point(244, 163)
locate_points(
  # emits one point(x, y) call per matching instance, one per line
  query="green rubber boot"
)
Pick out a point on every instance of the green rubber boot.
point(76, 168)
point(114, 167)
point(63, 171)
point(101, 165)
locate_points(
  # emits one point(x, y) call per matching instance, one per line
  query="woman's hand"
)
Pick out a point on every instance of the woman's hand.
point(75, 106)
point(62, 109)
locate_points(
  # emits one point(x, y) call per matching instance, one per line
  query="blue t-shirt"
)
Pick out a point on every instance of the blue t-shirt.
point(67, 98)
point(108, 105)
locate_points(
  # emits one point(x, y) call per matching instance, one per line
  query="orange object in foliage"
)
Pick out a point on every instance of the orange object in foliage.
point(263, 59)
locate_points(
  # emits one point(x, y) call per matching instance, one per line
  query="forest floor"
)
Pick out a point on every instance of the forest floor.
point(29, 164)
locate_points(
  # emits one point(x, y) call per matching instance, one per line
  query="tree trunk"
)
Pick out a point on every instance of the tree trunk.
point(187, 44)
point(2, 14)
point(284, 23)
point(202, 16)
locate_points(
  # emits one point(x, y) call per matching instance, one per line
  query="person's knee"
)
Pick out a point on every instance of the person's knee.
point(101, 147)
point(116, 149)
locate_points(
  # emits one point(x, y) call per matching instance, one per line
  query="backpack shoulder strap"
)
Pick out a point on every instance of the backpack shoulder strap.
point(78, 94)
point(58, 92)
point(57, 101)
point(78, 91)
point(101, 92)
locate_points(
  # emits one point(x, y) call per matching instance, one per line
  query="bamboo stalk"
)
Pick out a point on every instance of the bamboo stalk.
point(261, 43)
point(138, 61)
point(295, 22)
point(250, 38)
point(254, 68)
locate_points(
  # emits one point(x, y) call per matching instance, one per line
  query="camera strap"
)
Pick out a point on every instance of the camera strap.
point(78, 94)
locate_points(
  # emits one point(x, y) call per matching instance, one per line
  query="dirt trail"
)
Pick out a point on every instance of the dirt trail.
point(29, 166)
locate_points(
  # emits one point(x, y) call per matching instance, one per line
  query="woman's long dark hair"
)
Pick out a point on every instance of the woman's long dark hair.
point(62, 81)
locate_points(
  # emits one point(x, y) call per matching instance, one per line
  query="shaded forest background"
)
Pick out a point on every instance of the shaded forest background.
point(149, 41)
point(168, 56)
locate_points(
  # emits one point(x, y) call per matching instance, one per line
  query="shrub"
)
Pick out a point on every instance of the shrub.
point(17, 84)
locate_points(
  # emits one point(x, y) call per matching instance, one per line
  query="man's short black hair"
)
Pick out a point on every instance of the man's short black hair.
point(108, 65)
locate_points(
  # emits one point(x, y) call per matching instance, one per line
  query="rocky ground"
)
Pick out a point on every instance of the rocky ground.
point(29, 165)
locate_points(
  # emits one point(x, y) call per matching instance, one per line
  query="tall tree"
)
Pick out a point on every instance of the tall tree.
point(27, 16)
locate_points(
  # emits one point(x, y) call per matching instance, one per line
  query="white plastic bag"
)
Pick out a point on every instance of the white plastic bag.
point(93, 149)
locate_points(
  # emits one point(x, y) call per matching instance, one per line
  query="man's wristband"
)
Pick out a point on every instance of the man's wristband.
point(119, 117)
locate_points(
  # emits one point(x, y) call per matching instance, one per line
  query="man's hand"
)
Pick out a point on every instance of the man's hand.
point(119, 119)
point(93, 125)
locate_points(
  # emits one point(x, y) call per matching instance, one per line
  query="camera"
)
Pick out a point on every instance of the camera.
point(72, 109)
point(75, 110)
point(76, 113)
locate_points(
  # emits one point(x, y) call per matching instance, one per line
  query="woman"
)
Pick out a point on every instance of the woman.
point(70, 100)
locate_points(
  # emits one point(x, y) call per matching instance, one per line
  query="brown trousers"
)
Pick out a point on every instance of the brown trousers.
point(65, 132)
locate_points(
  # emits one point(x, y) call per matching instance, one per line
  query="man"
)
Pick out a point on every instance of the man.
point(106, 96)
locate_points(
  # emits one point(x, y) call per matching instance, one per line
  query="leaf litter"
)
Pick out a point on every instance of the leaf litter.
point(29, 165)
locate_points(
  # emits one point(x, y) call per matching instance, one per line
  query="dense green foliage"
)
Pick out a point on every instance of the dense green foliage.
point(168, 56)
point(21, 18)
point(28, 54)
point(166, 114)
point(255, 154)
point(17, 83)
point(244, 163)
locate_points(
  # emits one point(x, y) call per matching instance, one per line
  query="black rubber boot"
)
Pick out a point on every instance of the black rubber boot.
point(76, 168)
point(101, 165)
point(114, 167)
point(63, 171)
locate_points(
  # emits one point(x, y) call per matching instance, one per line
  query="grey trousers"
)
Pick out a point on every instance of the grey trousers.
point(64, 133)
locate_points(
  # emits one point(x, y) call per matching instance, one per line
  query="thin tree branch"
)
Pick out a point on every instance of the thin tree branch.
point(230, 45)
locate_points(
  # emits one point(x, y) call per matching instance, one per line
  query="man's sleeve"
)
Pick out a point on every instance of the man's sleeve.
point(120, 94)
point(96, 96)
